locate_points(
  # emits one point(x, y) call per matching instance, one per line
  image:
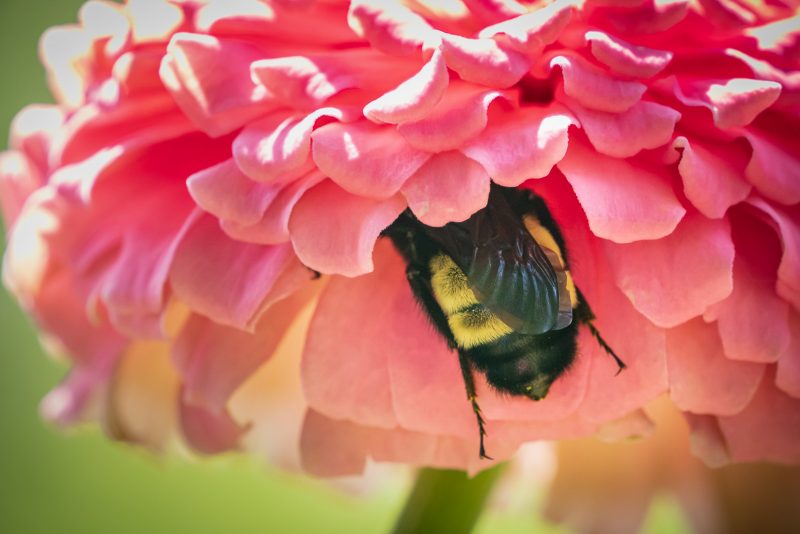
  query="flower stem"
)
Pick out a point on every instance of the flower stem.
point(446, 501)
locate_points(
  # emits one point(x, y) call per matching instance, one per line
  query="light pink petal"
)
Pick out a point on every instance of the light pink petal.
point(787, 376)
point(706, 440)
point(273, 227)
point(18, 180)
point(214, 360)
point(645, 125)
point(753, 321)
point(673, 279)
point(595, 89)
point(331, 448)
point(712, 180)
point(390, 27)
point(364, 158)
point(531, 32)
point(775, 166)
point(207, 432)
point(226, 193)
point(210, 80)
point(484, 61)
point(276, 148)
point(788, 228)
point(449, 187)
point(64, 51)
point(153, 20)
point(623, 203)
point(33, 129)
point(733, 103)
point(459, 116)
point(625, 58)
point(346, 339)
point(334, 232)
point(414, 98)
point(301, 82)
point(522, 145)
point(228, 281)
point(701, 378)
point(768, 429)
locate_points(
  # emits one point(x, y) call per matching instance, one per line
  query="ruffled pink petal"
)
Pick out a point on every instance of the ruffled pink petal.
point(301, 82)
point(459, 116)
point(522, 145)
point(712, 180)
point(645, 125)
point(702, 379)
point(364, 158)
point(32, 132)
point(706, 440)
point(390, 27)
point(346, 339)
point(623, 203)
point(625, 58)
point(225, 192)
point(277, 147)
point(594, 89)
point(334, 232)
point(654, 276)
point(449, 187)
point(229, 281)
point(64, 51)
point(647, 17)
point(214, 360)
point(210, 80)
point(18, 180)
point(484, 61)
point(531, 32)
point(775, 166)
point(273, 227)
point(773, 418)
point(733, 103)
point(208, 432)
point(153, 20)
point(414, 98)
point(493, 11)
point(753, 321)
point(331, 448)
point(787, 376)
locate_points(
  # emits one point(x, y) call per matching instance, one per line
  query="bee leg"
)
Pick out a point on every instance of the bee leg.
point(472, 397)
point(585, 315)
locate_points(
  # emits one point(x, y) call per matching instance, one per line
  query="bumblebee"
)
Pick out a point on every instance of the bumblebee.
point(497, 287)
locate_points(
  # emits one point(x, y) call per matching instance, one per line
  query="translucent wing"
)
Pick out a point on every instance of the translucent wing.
point(507, 269)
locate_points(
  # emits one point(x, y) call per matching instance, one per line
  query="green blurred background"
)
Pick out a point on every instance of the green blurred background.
point(81, 483)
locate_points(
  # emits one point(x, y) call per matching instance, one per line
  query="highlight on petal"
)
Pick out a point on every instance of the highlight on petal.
point(733, 103)
point(531, 32)
point(301, 82)
point(364, 158)
point(449, 187)
point(594, 89)
point(623, 203)
point(389, 26)
point(334, 231)
point(627, 59)
point(522, 145)
point(484, 61)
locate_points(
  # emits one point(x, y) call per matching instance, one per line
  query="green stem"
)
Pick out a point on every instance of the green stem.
point(446, 501)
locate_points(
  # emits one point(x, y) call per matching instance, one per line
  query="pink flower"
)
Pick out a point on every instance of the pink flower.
point(205, 157)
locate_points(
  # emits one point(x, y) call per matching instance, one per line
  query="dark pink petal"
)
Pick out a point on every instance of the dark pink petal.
point(226, 193)
point(210, 80)
point(733, 103)
point(414, 98)
point(449, 187)
point(390, 27)
point(522, 145)
point(208, 432)
point(364, 158)
point(346, 339)
point(331, 448)
point(214, 360)
point(625, 58)
point(229, 281)
point(623, 203)
point(595, 89)
point(459, 116)
point(775, 166)
point(768, 429)
point(673, 279)
point(648, 17)
point(484, 61)
point(645, 125)
point(335, 232)
point(531, 32)
point(753, 321)
point(495, 10)
point(712, 180)
point(276, 148)
point(787, 376)
point(701, 378)
point(273, 227)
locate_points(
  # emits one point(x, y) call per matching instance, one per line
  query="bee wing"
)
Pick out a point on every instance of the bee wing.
point(507, 269)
